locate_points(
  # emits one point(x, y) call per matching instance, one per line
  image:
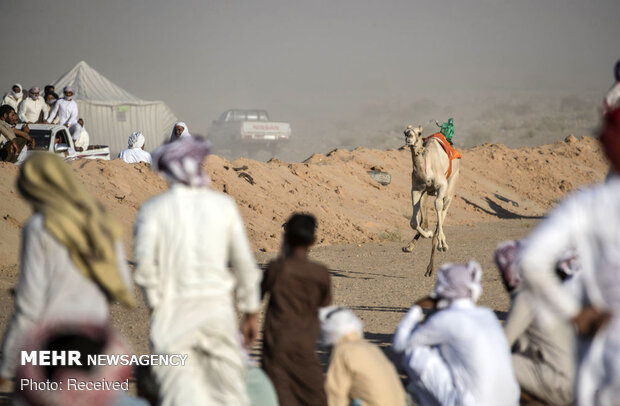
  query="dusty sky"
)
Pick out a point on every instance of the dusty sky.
point(314, 60)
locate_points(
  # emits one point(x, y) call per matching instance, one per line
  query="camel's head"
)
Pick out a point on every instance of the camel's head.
point(412, 135)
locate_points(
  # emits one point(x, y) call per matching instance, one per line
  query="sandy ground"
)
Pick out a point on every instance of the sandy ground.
point(502, 193)
point(377, 280)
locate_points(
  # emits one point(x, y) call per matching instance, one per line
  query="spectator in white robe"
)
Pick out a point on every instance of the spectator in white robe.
point(72, 262)
point(33, 108)
point(589, 221)
point(185, 240)
point(543, 348)
point(66, 109)
point(135, 153)
point(84, 139)
point(458, 355)
point(14, 97)
point(80, 137)
point(179, 130)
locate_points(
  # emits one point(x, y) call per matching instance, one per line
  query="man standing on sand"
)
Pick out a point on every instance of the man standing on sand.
point(66, 109)
point(297, 288)
point(72, 261)
point(185, 241)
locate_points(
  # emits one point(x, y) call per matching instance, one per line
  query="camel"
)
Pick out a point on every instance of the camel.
point(428, 178)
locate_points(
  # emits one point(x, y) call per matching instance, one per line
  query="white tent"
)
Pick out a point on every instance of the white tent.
point(111, 114)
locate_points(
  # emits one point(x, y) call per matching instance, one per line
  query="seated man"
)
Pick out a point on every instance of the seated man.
point(15, 139)
point(459, 354)
point(358, 370)
point(135, 153)
point(543, 349)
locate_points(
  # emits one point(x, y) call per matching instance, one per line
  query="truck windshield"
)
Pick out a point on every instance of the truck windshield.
point(41, 139)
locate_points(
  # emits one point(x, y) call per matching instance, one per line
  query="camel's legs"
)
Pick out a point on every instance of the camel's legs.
point(446, 205)
point(429, 268)
point(439, 207)
point(418, 199)
point(420, 217)
point(416, 237)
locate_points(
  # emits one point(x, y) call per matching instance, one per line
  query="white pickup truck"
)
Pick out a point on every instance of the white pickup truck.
point(56, 139)
point(248, 131)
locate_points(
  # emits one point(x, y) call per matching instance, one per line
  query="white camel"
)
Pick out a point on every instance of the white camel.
point(430, 177)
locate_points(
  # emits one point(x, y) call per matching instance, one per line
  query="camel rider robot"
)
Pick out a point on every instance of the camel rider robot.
point(447, 129)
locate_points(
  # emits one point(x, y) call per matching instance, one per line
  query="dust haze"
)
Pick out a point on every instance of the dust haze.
point(343, 73)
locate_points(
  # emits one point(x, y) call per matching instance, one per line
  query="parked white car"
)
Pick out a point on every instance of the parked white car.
point(56, 139)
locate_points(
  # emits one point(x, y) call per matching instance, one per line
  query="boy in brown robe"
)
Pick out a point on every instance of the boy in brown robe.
point(298, 287)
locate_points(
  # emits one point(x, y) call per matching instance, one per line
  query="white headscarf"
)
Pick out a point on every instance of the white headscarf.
point(136, 140)
point(337, 322)
point(19, 95)
point(185, 132)
point(457, 281)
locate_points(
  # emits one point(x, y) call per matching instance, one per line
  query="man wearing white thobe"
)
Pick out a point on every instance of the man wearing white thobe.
point(66, 109)
point(459, 355)
point(31, 107)
point(53, 287)
point(135, 153)
point(589, 221)
point(185, 240)
point(14, 97)
point(543, 348)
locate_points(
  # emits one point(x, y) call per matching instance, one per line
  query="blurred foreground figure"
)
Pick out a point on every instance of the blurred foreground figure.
point(459, 354)
point(260, 387)
point(72, 261)
point(298, 287)
point(135, 152)
point(185, 239)
point(588, 220)
point(612, 100)
point(90, 340)
point(543, 347)
point(358, 370)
